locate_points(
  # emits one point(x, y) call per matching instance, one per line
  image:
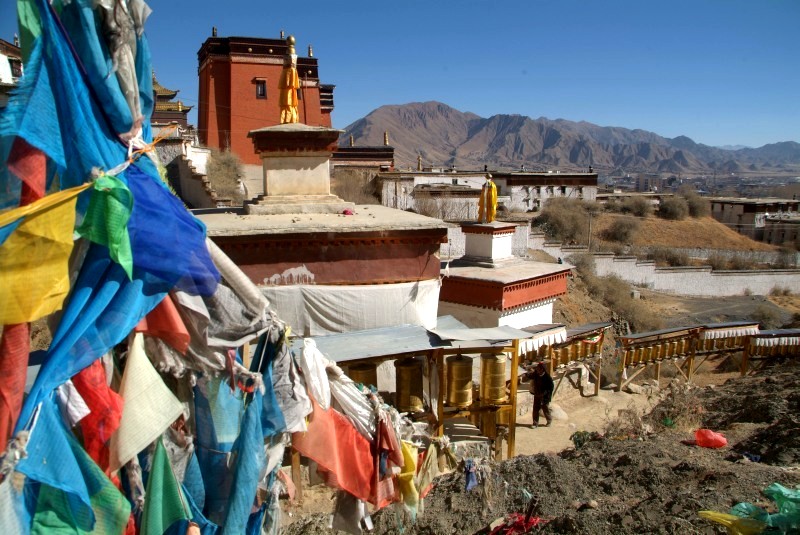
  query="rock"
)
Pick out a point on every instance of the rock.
point(558, 413)
point(575, 504)
point(592, 504)
point(633, 389)
point(609, 386)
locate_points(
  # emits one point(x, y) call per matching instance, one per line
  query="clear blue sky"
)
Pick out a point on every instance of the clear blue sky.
point(719, 71)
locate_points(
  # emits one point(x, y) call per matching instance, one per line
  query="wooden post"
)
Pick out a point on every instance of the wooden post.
point(692, 352)
point(512, 418)
point(745, 356)
point(622, 363)
point(658, 374)
point(438, 355)
point(598, 375)
point(297, 475)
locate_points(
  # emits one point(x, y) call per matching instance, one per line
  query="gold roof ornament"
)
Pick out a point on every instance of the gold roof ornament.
point(289, 84)
point(352, 140)
point(386, 137)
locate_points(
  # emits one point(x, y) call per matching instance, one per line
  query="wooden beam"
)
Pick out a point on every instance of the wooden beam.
point(297, 476)
point(512, 418)
point(625, 383)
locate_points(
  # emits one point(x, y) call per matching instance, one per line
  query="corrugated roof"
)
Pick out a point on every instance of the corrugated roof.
point(574, 332)
point(403, 339)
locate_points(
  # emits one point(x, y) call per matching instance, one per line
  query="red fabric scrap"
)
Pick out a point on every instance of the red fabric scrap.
point(165, 322)
point(343, 455)
point(106, 411)
point(515, 523)
point(15, 345)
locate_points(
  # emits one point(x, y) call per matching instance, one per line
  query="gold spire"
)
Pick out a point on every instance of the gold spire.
point(386, 137)
point(352, 141)
point(419, 162)
point(310, 51)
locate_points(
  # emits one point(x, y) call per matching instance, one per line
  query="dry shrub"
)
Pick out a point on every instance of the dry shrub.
point(616, 295)
point(565, 220)
point(664, 256)
point(441, 208)
point(352, 189)
point(680, 408)
point(584, 263)
point(737, 262)
point(767, 317)
point(741, 263)
point(698, 206)
point(628, 423)
point(673, 209)
point(224, 171)
point(780, 290)
point(787, 258)
point(622, 230)
point(638, 206)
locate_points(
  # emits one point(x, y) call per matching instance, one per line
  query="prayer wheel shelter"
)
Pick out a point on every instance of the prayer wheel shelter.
point(425, 381)
point(769, 346)
point(680, 346)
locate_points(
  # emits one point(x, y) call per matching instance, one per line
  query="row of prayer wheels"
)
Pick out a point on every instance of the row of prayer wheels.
point(409, 381)
point(644, 354)
point(734, 342)
point(492, 383)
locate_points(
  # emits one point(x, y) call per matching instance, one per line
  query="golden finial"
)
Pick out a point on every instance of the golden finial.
point(283, 35)
point(213, 31)
point(386, 137)
point(352, 141)
point(310, 51)
point(290, 41)
point(419, 162)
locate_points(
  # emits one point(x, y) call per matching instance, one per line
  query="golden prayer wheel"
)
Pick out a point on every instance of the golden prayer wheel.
point(503, 417)
point(366, 374)
point(682, 346)
point(459, 381)
point(408, 397)
point(493, 379)
point(656, 352)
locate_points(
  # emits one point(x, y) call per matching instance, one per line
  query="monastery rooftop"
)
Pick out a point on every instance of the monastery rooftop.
point(504, 272)
point(367, 218)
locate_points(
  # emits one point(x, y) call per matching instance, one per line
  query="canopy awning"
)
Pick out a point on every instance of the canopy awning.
point(714, 331)
point(779, 337)
point(546, 334)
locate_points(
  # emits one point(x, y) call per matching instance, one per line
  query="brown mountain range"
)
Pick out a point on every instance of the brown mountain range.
point(444, 136)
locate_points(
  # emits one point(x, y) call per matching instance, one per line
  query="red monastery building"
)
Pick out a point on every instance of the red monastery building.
point(239, 91)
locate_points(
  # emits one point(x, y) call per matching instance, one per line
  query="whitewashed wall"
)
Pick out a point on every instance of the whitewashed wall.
point(690, 281)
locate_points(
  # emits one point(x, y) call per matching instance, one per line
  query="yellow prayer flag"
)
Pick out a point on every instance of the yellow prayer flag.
point(34, 274)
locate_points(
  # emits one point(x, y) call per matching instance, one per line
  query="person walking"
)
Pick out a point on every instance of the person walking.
point(542, 390)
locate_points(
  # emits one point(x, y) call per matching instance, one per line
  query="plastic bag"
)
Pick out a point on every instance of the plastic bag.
point(707, 438)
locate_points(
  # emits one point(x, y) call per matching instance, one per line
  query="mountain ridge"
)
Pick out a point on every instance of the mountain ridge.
point(445, 136)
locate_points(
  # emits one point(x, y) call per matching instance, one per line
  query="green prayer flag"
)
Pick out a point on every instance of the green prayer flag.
point(30, 26)
point(59, 512)
point(106, 220)
point(163, 502)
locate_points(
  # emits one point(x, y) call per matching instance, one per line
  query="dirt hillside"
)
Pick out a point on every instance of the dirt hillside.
point(704, 232)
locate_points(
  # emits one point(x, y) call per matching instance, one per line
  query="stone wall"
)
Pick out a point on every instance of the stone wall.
point(690, 281)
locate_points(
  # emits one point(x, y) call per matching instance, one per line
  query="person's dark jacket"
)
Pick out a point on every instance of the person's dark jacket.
point(541, 385)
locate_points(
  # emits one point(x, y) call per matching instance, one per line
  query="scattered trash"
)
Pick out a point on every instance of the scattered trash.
point(706, 438)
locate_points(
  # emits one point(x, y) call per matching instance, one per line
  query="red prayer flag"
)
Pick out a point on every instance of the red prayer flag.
point(165, 322)
point(29, 164)
point(15, 346)
point(106, 411)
